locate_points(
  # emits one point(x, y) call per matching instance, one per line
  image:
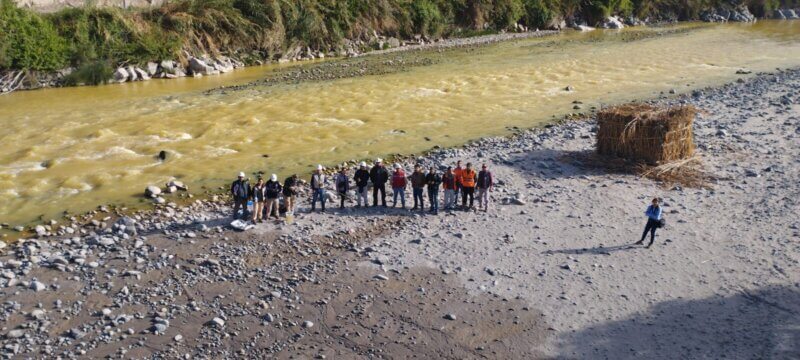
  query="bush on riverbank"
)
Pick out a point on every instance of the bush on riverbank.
point(264, 28)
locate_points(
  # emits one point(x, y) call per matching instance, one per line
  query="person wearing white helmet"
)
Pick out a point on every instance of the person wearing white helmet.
point(399, 183)
point(273, 191)
point(379, 176)
point(361, 178)
point(318, 180)
point(240, 191)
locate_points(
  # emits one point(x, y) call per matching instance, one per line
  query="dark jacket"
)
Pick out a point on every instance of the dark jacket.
point(240, 189)
point(342, 183)
point(433, 180)
point(449, 181)
point(289, 186)
point(362, 178)
point(417, 180)
point(273, 189)
point(485, 179)
point(257, 192)
point(379, 175)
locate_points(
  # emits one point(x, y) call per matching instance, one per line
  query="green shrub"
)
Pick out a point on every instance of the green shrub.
point(538, 13)
point(426, 17)
point(93, 73)
point(27, 41)
point(506, 13)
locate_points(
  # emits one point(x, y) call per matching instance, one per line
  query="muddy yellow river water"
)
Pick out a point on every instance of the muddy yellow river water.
point(75, 148)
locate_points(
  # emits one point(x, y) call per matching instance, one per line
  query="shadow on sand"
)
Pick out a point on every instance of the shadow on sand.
point(755, 324)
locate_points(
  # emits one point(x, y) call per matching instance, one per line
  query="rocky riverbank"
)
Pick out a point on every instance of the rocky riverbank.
point(548, 272)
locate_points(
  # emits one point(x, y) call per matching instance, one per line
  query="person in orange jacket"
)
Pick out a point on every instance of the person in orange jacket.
point(457, 173)
point(468, 180)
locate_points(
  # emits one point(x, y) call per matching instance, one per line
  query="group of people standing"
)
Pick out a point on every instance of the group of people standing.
point(459, 182)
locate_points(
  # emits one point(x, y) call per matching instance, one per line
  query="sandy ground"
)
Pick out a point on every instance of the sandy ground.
point(556, 277)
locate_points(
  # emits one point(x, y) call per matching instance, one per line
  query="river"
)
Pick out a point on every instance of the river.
point(72, 149)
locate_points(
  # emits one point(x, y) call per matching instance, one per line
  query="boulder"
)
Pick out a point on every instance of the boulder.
point(141, 74)
point(556, 23)
point(132, 76)
point(200, 67)
point(178, 185)
point(152, 191)
point(790, 14)
point(152, 68)
point(393, 42)
point(167, 66)
point(241, 225)
point(612, 22)
point(121, 75)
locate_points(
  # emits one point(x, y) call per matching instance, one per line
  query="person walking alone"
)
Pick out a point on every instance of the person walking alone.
point(240, 190)
point(361, 178)
point(273, 191)
point(485, 183)
point(468, 180)
point(399, 183)
point(433, 180)
point(259, 196)
point(654, 222)
point(318, 180)
point(418, 187)
point(379, 176)
point(290, 192)
point(449, 185)
point(342, 185)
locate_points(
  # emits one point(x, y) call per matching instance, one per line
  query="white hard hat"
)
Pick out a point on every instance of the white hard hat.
point(241, 174)
point(274, 177)
point(363, 164)
point(396, 166)
point(378, 160)
point(319, 167)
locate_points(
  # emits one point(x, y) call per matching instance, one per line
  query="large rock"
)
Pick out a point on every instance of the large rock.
point(141, 74)
point(612, 22)
point(152, 68)
point(167, 66)
point(393, 42)
point(241, 225)
point(121, 75)
point(132, 76)
point(152, 191)
point(556, 23)
point(200, 67)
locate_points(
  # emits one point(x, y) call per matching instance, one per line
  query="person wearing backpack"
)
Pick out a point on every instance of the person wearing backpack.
point(485, 183)
point(433, 180)
point(361, 178)
point(289, 192)
point(240, 191)
point(654, 221)
point(379, 176)
point(273, 190)
point(342, 185)
point(399, 183)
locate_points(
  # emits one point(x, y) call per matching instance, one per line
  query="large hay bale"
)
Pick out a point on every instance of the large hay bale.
point(646, 133)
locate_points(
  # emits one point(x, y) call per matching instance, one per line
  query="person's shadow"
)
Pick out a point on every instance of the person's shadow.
point(600, 250)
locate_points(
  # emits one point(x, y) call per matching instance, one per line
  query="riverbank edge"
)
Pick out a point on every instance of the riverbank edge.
point(99, 218)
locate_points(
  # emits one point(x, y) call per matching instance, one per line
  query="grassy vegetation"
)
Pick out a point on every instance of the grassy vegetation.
point(93, 39)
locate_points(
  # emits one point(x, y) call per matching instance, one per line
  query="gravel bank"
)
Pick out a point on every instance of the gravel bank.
point(549, 274)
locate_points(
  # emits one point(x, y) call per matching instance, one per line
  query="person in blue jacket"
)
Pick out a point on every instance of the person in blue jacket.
point(653, 213)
